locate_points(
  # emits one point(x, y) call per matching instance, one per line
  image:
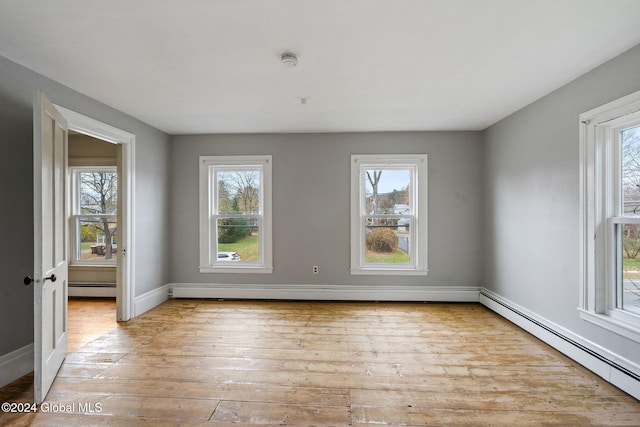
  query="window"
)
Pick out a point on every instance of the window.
point(235, 214)
point(610, 156)
point(389, 214)
point(94, 204)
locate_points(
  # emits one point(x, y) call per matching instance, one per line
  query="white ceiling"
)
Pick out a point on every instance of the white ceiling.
point(213, 66)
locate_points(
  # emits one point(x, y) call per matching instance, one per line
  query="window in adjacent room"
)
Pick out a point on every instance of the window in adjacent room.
point(94, 204)
point(235, 214)
point(610, 155)
point(389, 214)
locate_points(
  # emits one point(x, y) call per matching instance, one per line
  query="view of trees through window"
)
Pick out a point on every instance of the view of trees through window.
point(630, 300)
point(96, 214)
point(388, 216)
point(238, 214)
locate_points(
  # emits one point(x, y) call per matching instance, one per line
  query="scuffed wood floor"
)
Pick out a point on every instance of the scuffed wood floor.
point(199, 363)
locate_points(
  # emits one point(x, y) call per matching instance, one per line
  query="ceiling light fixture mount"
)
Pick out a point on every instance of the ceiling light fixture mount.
point(289, 60)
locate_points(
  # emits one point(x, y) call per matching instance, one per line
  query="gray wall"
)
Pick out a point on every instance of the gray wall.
point(532, 200)
point(311, 199)
point(17, 85)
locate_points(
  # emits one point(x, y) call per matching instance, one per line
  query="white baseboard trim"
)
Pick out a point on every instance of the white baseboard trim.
point(92, 291)
point(620, 372)
point(16, 364)
point(149, 300)
point(326, 292)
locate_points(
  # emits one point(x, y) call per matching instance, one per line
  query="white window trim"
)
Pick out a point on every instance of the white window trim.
point(598, 169)
point(419, 244)
point(207, 194)
point(74, 226)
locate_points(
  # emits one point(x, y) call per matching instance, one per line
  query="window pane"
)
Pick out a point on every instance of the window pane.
point(631, 171)
point(628, 288)
point(387, 191)
point(98, 239)
point(628, 235)
point(98, 192)
point(388, 240)
point(238, 239)
point(238, 191)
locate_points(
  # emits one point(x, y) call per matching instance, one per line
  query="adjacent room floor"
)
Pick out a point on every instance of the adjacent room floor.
point(90, 318)
point(202, 362)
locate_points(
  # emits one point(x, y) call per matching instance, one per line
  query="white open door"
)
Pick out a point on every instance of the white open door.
point(50, 261)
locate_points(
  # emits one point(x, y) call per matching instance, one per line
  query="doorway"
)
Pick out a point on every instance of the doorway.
point(93, 207)
point(51, 125)
point(103, 133)
point(93, 237)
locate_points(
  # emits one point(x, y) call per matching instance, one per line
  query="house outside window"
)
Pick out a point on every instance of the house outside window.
point(389, 214)
point(235, 214)
point(94, 204)
point(610, 178)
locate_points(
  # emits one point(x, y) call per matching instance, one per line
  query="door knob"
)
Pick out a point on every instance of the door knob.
point(28, 280)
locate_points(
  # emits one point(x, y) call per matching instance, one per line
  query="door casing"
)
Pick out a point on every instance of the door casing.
point(125, 285)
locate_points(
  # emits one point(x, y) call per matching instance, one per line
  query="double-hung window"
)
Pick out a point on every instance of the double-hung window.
point(389, 214)
point(610, 173)
point(235, 214)
point(94, 204)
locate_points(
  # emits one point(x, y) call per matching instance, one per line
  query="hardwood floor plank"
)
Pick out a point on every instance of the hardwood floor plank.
point(494, 400)
point(440, 417)
point(89, 358)
point(80, 420)
point(203, 390)
point(278, 414)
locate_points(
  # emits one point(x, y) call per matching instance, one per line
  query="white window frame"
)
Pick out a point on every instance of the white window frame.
point(417, 164)
point(76, 216)
point(208, 220)
point(600, 172)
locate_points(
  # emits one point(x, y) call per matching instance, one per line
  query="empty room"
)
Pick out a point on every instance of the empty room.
point(320, 213)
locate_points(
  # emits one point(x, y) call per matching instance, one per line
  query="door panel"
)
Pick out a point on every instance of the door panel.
point(50, 265)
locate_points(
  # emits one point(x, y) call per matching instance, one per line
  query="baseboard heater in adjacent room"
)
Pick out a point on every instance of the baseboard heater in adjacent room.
point(92, 290)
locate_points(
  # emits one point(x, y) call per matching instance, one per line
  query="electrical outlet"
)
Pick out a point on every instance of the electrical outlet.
point(315, 269)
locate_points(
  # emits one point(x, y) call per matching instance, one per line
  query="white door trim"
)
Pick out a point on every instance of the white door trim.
point(125, 288)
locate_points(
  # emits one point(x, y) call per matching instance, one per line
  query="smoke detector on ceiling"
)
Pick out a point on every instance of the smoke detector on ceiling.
point(289, 60)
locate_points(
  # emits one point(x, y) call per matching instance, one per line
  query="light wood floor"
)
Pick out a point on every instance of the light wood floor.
point(198, 363)
point(89, 319)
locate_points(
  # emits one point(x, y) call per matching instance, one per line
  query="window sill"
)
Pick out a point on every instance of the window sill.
point(625, 329)
point(81, 266)
point(103, 264)
point(388, 272)
point(236, 269)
